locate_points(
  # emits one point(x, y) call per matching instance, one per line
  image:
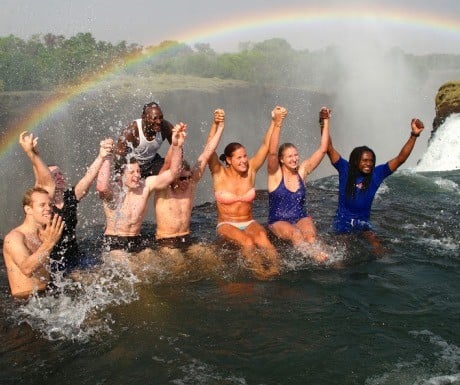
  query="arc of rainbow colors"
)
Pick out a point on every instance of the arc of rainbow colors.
point(288, 17)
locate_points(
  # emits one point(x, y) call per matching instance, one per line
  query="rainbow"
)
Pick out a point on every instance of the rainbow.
point(287, 18)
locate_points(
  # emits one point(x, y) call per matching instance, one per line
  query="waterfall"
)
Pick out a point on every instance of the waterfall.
point(443, 152)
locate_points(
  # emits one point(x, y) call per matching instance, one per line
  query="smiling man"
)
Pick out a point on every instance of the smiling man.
point(174, 203)
point(27, 248)
point(143, 138)
point(125, 199)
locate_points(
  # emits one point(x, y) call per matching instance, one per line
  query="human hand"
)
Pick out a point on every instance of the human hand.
point(219, 116)
point(52, 232)
point(106, 147)
point(416, 126)
point(179, 134)
point(278, 114)
point(28, 142)
point(324, 113)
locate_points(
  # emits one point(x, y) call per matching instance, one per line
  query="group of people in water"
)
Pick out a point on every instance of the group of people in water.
point(130, 171)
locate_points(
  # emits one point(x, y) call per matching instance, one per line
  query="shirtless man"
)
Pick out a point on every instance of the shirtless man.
point(66, 255)
point(143, 138)
point(27, 248)
point(174, 203)
point(125, 200)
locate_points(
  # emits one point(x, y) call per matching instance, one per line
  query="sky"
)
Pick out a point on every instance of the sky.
point(416, 26)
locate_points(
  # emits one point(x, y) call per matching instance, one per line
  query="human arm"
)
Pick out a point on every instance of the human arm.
point(83, 186)
point(332, 153)
point(278, 116)
point(161, 181)
point(27, 262)
point(211, 144)
point(103, 184)
point(258, 159)
point(128, 139)
point(213, 161)
point(43, 177)
point(308, 165)
point(416, 127)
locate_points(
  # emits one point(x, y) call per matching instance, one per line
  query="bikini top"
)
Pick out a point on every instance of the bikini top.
point(228, 198)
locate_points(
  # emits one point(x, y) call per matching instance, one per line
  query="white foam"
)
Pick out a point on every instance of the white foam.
point(443, 153)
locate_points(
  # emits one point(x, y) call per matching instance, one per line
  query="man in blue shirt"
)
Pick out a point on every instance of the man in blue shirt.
point(359, 180)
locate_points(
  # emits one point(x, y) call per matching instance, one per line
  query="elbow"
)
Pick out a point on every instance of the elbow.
point(27, 271)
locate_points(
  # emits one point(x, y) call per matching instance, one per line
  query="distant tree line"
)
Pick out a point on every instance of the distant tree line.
point(46, 61)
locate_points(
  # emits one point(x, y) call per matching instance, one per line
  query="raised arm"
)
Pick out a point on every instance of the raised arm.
point(258, 159)
point(416, 129)
point(211, 144)
point(126, 140)
point(213, 161)
point(308, 165)
point(103, 184)
point(43, 177)
point(332, 153)
point(83, 186)
point(161, 181)
point(278, 115)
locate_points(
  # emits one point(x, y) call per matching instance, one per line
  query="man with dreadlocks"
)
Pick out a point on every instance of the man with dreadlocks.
point(359, 180)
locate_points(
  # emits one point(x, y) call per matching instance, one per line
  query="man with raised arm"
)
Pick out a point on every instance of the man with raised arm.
point(125, 199)
point(142, 139)
point(174, 203)
point(65, 256)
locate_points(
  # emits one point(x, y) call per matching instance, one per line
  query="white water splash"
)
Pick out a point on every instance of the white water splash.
point(76, 312)
point(443, 153)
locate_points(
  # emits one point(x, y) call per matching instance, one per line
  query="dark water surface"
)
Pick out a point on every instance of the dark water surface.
point(358, 320)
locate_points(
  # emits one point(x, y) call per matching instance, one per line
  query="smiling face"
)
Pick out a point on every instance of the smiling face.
point(132, 175)
point(58, 177)
point(238, 160)
point(39, 207)
point(366, 162)
point(153, 118)
point(290, 157)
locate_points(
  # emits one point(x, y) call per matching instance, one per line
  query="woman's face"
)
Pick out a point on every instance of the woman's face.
point(366, 163)
point(239, 160)
point(290, 158)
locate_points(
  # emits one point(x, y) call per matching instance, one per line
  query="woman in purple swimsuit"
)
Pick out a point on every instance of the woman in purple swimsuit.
point(288, 218)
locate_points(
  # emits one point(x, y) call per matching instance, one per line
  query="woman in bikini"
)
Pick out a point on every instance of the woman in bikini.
point(288, 217)
point(234, 189)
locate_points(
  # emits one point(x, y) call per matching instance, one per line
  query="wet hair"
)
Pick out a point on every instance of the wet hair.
point(186, 166)
point(283, 148)
point(121, 162)
point(27, 197)
point(229, 150)
point(353, 171)
point(150, 105)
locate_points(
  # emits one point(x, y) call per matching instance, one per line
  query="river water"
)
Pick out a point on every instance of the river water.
point(360, 319)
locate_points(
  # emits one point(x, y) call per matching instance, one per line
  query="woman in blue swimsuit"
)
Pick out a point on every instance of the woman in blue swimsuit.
point(288, 218)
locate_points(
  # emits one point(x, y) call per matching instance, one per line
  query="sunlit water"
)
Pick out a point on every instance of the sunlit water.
point(360, 319)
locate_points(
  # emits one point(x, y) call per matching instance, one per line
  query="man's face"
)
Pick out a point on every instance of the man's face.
point(153, 118)
point(183, 181)
point(40, 208)
point(132, 175)
point(58, 177)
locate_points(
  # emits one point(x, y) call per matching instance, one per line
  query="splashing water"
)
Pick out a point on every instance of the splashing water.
point(74, 312)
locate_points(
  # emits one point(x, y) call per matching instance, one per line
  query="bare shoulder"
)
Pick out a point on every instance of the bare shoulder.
point(13, 238)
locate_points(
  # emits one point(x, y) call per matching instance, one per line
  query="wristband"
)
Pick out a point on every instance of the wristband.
point(414, 135)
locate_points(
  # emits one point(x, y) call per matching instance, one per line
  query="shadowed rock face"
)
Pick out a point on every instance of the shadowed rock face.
point(447, 102)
